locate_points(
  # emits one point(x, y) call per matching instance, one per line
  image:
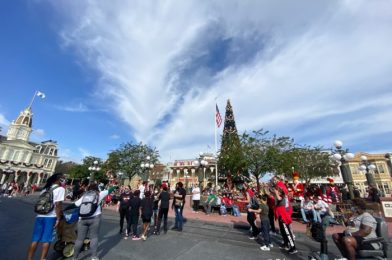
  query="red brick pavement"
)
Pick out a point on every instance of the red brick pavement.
point(215, 217)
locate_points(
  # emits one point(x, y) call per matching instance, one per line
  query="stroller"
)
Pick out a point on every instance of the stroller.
point(66, 233)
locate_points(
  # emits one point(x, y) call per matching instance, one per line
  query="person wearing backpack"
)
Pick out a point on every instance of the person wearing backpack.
point(90, 217)
point(49, 210)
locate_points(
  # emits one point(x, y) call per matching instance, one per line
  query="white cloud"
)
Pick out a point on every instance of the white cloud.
point(78, 107)
point(114, 136)
point(308, 69)
point(39, 132)
point(84, 152)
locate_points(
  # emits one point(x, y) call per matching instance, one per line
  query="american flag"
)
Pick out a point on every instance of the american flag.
point(218, 117)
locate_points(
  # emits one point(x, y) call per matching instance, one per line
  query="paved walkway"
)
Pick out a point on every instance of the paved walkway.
point(241, 222)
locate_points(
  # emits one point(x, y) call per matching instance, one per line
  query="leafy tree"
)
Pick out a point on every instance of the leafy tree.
point(64, 167)
point(264, 153)
point(79, 172)
point(129, 157)
point(312, 162)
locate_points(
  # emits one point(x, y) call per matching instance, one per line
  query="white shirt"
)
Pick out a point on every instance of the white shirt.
point(98, 211)
point(196, 193)
point(58, 195)
point(322, 206)
point(141, 188)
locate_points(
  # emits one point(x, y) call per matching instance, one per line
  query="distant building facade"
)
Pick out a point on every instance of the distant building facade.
point(23, 161)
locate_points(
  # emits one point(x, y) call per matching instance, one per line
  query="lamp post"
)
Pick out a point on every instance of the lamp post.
point(388, 157)
point(93, 169)
point(367, 167)
point(341, 156)
point(146, 167)
point(200, 163)
point(121, 174)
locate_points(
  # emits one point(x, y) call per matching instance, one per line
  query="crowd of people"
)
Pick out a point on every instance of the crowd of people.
point(270, 202)
point(13, 189)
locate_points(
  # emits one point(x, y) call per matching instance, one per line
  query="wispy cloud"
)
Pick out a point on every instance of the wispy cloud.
point(78, 107)
point(114, 136)
point(84, 152)
point(39, 132)
point(307, 69)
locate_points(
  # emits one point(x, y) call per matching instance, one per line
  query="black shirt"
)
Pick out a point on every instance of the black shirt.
point(124, 199)
point(146, 205)
point(182, 192)
point(134, 203)
point(164, 197)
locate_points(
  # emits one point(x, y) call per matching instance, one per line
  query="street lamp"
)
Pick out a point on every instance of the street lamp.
point(146, 166)
point(341, 156)
point(121, 174)
point(200, 163)
point(367, 166)
point(388, 157)
point(94, 168)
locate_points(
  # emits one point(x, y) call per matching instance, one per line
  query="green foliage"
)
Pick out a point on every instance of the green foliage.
point(311, 162)
point(64, 167)
point(129, 157)
point(79, 172)
point(231, 158)
point(264, 153)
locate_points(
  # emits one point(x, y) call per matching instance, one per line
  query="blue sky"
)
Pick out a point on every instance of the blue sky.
point(150, 71)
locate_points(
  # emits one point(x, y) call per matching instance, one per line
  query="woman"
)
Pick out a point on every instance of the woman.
point(284, 220)
point(134, 214)
point(123, 206)
point(90, 224)
point(251, 216)
point(196, 198)
point(146, 208)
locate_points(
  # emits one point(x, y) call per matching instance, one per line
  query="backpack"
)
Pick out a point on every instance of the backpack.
point(45, 204)
point(317, 231)
point(89, 204)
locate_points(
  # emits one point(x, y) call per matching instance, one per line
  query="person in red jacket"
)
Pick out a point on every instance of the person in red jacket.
point(333, 193)
point(297, 187)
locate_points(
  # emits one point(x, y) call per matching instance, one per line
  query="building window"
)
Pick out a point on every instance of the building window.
point(386, 188)
point(354, 169)
point(2, 151)
point(45, 162)
point(16, 156)
point(49, 163)
point(380, 168)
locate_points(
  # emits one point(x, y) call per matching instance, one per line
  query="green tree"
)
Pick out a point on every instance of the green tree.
point(79, 172)
point(129, 157)
point(64, 167)
point(312, 162)
point(263, 153)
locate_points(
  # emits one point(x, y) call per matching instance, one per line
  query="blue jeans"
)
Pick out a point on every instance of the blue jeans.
point(179, 218)
point(320, 215)
point(304, 212)
point(265, 229)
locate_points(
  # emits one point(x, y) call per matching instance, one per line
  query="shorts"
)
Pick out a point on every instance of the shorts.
point(43, 229)
point(359, 243)
point(146, 219)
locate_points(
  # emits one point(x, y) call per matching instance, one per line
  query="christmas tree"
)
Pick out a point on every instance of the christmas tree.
point(231, 158)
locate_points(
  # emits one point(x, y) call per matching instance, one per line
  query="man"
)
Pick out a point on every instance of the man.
point(321, 208)
point(333, 193)
point(210, 202)
point(46, 223)
point(90, 224)
point(307, 208)
point(178, 206)
point(196, 198)
point(164, 198)
point(348, 243)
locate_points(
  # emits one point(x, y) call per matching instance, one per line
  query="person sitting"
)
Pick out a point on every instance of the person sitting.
point(365, 224)
point(321, 208)
point(307, 208)
point(210, 202)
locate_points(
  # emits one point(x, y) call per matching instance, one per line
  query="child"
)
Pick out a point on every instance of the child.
point(265, 224)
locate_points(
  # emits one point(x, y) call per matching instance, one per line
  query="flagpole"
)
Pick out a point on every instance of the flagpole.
point(216, 149)
point(32, 100)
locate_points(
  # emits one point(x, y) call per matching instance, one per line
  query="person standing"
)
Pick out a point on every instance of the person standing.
point(196, 198)
point(90, 212)
point(146, 209)
point(45, 223)
point(134, 214)
point(284, 220)
point(265, 225)
point(164, 198)
point(178, 206)
point(123, 207)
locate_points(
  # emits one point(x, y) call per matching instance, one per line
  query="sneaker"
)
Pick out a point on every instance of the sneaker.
point(135, 238)
point(156, 233)
point(95, 258)
point(271, 245)
point(252, 238)
point(144, 237)
point(265, 248)
point(293, 251)
point(284, 247)
point(174, 228)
